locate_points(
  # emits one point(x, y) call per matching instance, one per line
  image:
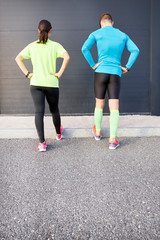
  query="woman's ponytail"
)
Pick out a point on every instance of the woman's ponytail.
point(44, 28)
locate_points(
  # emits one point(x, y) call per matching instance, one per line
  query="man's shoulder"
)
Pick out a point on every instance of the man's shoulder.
point(96, 31)
point(120, 32)
point(112, 29)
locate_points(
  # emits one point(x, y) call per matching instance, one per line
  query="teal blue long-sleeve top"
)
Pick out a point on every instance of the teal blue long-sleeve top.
point(110, 43)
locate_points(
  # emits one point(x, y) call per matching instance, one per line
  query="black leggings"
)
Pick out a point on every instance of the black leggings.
point(52, 96)
point(104, 82)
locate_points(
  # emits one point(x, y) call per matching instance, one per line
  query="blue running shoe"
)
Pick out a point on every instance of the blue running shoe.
point(113, 144)
point(94, 132)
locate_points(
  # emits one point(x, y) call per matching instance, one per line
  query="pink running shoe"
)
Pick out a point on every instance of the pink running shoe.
point(59, 137)
point(42, 146)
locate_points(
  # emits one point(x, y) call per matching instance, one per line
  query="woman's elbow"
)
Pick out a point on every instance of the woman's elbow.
point(19, 58)
point(66, 56)
point(16, 59)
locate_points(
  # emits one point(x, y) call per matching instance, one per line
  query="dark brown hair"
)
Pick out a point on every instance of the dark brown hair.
point(105, 16)
point(44, 28)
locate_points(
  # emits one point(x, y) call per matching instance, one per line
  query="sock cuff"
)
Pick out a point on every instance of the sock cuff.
point(114, 111)
point(112, 136)
point(99, 109)
point(98, 129)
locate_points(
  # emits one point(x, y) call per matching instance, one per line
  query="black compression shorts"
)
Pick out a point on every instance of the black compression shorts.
point(106, 82)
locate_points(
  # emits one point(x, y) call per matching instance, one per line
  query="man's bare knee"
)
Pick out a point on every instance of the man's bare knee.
point(113, 104)
point(100, 103)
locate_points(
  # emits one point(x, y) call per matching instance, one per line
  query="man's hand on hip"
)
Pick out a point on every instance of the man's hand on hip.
point(97, 64)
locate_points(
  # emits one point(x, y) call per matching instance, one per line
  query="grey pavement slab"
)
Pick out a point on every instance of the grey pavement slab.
point(80, 190)
point(79, 126)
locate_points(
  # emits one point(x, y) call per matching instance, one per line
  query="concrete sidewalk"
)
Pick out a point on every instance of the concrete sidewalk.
point(79, 126)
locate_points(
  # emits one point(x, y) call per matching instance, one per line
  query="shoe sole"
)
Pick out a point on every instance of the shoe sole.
point(97, 139)
point(113, 148)
point(59, 138)
point(42, 150)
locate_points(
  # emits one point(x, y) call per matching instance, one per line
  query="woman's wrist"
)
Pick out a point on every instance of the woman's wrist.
point(27, 74)
point(60, 74)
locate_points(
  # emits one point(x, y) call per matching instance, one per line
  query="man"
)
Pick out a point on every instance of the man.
point(110, 45)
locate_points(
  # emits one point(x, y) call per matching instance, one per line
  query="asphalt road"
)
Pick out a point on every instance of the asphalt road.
point(80, 190)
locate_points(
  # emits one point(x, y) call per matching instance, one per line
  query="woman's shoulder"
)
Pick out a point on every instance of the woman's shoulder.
point(54, 44)
point(32, 44)
point(51, 42)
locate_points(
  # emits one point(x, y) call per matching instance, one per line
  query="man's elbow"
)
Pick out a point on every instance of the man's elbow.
point(83, 49)
point(135, 51)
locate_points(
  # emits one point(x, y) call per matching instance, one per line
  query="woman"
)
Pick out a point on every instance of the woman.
point(110, 45)
point(44, 81)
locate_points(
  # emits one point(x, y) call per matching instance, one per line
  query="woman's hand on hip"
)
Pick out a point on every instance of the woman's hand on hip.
point(97, 64)
point(58, 75)
point(30, 75)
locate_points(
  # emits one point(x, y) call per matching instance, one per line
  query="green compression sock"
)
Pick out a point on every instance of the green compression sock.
point(98, 115)
point(114, 121)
